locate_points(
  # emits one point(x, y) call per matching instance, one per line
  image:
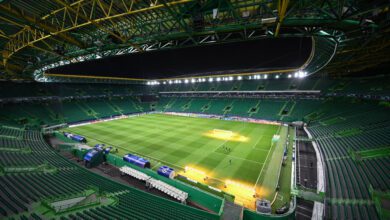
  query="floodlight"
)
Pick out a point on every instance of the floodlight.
point(186, 81)
point(239, 77)
point(302, 74)
point(210, 79)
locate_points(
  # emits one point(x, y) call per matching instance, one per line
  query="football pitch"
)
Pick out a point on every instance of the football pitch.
point(233, 152)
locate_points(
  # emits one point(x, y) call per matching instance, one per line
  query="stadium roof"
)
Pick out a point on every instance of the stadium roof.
point(38, 36)
point(208, 60)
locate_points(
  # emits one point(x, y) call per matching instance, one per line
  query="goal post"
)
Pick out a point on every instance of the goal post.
point(220, 131)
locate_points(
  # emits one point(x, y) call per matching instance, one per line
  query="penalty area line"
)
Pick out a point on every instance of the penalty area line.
point(239, 158)
point(215, 150)
point(257, 142)
point(226, 141)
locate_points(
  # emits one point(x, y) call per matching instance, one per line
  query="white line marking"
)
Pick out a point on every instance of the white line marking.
point(252, 161)
point(137, 153)
point(177, 166)
point(226, 141)
point(257, 142)
point(155, 165)
point(262, 168)
point(260, 149)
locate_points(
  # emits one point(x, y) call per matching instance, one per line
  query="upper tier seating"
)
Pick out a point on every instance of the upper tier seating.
point(374, 86)
point(368, 86)
point(10, 89)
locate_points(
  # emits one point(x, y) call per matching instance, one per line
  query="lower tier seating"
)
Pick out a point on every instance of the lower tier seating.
point(353, 128)
point(20, 190)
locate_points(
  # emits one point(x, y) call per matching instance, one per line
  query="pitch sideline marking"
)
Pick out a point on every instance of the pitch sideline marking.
point(262, 168)
point(137, 153)
point(148, 155)
point(175, 165)
point(156, 165)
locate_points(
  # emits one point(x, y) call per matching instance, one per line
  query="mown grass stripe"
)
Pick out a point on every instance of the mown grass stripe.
point(179, 141)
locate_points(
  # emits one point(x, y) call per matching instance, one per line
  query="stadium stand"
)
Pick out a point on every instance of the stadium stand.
point(341, 121)
point(353, 128)
point(228, 110)
point(21, 188)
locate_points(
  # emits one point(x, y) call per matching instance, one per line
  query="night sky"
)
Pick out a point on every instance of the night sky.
point(251, 55)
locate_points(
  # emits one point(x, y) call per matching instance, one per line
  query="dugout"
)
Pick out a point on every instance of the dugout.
point(138, 161)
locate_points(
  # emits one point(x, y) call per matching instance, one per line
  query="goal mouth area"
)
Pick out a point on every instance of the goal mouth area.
point(226, 135)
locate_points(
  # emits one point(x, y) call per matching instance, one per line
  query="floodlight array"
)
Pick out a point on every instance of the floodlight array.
point(298, 74)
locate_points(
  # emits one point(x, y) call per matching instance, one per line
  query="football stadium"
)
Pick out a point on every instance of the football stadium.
point(194, 109)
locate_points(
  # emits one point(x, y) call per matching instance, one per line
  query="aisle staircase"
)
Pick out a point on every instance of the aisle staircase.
point(228, 108)
point(287, 109)
point(207, 106)
point(115, 108)
point(256, 107)
point(187, 105)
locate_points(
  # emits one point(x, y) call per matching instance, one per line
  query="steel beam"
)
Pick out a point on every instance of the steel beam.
point(65, 22)
point(48, 28)
point(180, 21)
point(282, 8)
point(78, 13)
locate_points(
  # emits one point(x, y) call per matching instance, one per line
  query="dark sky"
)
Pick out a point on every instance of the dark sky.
point(253, 55)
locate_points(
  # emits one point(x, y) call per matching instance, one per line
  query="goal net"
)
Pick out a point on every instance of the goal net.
point(223, 132)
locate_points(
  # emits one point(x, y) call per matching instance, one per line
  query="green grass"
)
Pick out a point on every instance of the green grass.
point(178, 141)
point(284, 193)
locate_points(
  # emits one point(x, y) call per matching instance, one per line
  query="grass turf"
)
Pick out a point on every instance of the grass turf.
point(284, 193)
point(179, 141)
